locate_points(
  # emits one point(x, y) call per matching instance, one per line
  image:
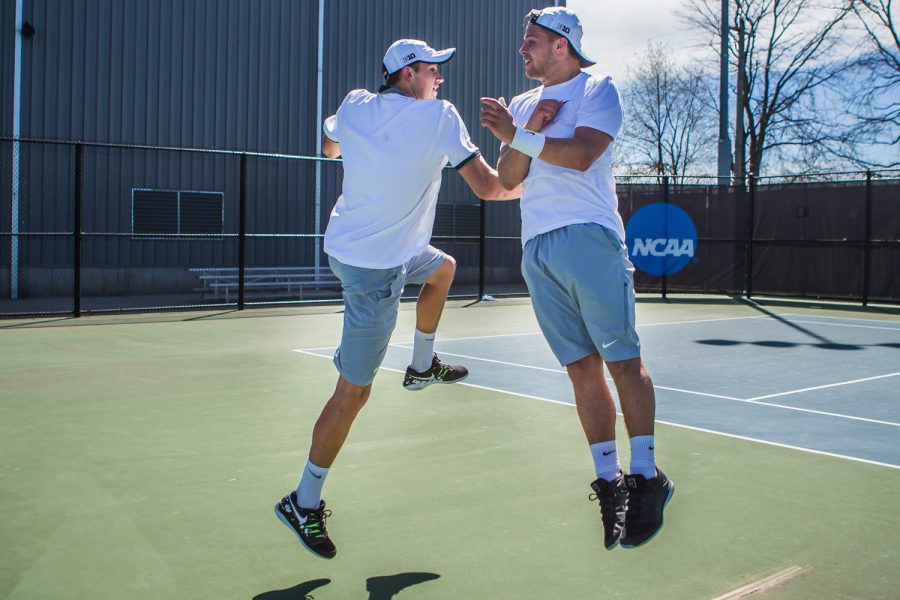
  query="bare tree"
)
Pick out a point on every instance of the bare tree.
point(791, 51)
point(879, 22)
point(874, 96)
point(668, 116)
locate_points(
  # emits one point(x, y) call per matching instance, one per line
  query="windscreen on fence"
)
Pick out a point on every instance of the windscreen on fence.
point(88, 228)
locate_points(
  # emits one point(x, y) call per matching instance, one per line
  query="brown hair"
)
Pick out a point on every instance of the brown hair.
point(391, 80)
point(532, 17)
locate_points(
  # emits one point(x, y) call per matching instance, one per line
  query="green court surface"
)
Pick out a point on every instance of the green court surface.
point(142, 456)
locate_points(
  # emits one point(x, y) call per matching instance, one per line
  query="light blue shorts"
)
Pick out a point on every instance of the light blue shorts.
point(582, 290)
point(371, 302)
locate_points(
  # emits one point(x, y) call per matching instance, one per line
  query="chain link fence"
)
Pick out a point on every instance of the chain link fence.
point(92, 228)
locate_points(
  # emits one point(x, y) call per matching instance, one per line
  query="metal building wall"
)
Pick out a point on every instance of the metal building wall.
point(487, 35)
point(238, 74)
point(221, 74)
point(229, 74)
point(7, 64)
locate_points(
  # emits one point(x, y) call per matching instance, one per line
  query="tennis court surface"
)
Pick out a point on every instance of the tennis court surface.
point(142, 456)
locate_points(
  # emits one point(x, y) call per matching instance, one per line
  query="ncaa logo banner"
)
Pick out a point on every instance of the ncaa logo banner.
point(661, 239)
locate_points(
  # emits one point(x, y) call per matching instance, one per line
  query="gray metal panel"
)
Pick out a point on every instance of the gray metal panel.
point(241, 74)
point(230, 74)
point(233, 74)
point(486, 34)
point(7, 64)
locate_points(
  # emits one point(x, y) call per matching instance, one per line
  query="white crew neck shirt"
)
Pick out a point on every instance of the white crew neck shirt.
point(394, 149)
point(554, 196)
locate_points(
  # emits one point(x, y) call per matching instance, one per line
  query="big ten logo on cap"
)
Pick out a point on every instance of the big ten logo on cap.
point(409, 57)
point(661, 239)
point(563, 28)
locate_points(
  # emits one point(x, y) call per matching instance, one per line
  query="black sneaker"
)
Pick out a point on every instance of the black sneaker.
point(646, 500)
point(307, 524)
point(438, 373)
point(613, 498)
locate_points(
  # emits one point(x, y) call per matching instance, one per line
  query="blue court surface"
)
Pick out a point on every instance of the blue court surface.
point(829, 385)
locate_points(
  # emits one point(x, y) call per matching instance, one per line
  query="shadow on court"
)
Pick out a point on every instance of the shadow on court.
point(300, 591)
point(821, 341)
point(779, 344)
point(383, 587)
point(387, 586)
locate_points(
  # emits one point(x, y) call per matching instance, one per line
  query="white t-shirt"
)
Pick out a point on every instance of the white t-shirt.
point(556, 196)
point(394, 149)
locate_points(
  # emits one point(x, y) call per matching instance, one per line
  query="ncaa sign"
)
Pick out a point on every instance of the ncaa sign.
point(661, 239)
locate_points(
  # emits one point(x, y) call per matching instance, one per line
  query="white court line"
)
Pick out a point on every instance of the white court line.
point(682, 391)
point(483, 337)
point(490, 389)
point(820, 387)
point(311, 351)
point(844, 325)
point(813, 411)
point(779, 445)
point(679, 425)
point(490, 360)
point(710, 395)
point(841, 318)
point(704, 320)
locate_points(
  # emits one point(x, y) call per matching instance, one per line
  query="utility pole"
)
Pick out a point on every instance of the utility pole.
point(724, 170)
point(660, 170)
point(740, 103)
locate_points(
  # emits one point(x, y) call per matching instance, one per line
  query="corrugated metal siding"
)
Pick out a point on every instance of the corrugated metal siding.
point(7, 64)
point(239, 74)
point(230, 74)
point(224, 74)
point(486, 33)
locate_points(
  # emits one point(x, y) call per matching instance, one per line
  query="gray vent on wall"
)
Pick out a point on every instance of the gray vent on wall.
point(174, 212)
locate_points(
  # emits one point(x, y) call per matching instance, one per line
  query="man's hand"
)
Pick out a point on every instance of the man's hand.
point(496, 117)
point(544, 113)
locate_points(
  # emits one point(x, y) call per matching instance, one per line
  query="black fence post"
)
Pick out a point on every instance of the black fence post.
point(867, 244)
point(481, 248)
point(76, 230)
point(242, 233)
point(665, 277)
point(751, 214)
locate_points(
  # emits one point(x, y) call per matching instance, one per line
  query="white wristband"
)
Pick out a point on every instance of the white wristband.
point(528, 142)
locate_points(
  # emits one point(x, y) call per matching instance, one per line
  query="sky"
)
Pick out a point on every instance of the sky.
point(616, 33)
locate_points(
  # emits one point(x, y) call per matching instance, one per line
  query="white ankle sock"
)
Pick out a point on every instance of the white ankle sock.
point(643, 460)
point(309, 490)
point(606, 460)
point(423, 351)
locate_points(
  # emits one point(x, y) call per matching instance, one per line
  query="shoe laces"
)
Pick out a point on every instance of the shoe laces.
point(315, 523)
point(608, 500)
point(440, 369)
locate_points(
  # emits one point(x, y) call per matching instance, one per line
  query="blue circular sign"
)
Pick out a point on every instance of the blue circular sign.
point(661, 239)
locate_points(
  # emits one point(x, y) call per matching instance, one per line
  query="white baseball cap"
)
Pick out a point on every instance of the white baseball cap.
point(403, 53)
point(562, 21)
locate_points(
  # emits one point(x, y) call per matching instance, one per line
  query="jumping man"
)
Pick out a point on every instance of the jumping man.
point(575, 261)
point(395, 144)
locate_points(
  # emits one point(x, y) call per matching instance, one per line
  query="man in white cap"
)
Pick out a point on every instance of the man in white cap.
point(395, 144)
point(576, 264)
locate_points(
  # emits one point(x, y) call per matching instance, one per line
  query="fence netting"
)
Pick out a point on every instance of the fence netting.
point(88, 228)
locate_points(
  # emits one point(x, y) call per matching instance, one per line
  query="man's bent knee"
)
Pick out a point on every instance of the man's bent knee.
point(633, 367)
point(445, 272)
point(351, 393)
